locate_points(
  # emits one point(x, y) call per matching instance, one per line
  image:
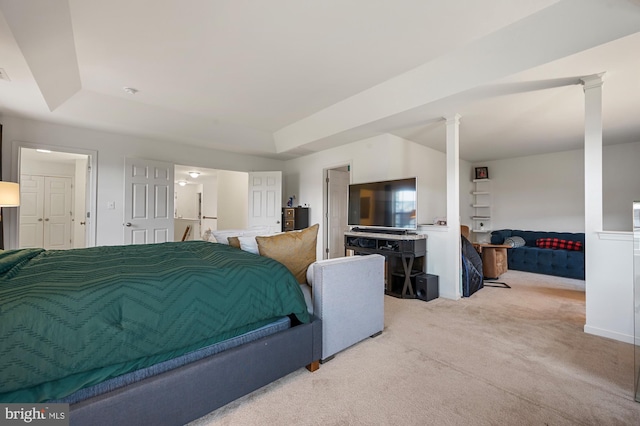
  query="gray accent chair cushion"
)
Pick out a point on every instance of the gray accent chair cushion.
point(348, 296)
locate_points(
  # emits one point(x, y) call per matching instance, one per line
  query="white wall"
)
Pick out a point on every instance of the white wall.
point(546, 192)
point(185, 206)
point(186, 200)
point(48, 168)
point(233, 190)
point(621, 185)
point(538, 193)
point(380, 158)
point(112, 149)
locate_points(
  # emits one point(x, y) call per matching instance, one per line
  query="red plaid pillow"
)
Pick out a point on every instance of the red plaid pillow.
point(557, 243)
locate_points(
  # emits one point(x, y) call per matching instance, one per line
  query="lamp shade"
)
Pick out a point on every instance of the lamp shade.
point(9, 194)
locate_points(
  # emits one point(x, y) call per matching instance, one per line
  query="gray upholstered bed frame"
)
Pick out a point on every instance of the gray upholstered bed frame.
point(191, 391)
point(348, 306)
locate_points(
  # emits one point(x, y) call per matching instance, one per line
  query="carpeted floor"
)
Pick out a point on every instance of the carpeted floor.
point(501, 357)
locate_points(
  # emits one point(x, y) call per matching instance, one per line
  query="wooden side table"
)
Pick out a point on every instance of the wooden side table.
point(480, 246)
point(489, 252)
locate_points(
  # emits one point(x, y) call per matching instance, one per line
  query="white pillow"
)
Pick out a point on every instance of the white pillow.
point(262, 230)
point(308, 299)
point(310, 274)
point(222, 235)
point(249, 244)
point(514, 242)
point(208, 236)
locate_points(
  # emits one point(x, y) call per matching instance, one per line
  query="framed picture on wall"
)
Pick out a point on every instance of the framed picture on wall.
point(482, 173)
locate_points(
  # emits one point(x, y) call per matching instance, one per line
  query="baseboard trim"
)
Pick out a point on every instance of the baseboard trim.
point(608, 334)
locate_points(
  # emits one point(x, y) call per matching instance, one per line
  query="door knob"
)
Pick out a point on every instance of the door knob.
point(127, 224)
point(40, 220)
point(46, 220)
point(83, 223)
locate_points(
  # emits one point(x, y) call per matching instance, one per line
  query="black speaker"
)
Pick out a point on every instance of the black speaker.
point(427, 287)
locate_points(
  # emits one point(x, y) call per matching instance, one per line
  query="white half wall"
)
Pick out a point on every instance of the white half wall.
point(609, 304)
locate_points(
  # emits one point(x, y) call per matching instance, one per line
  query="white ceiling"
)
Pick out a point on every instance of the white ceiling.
point(228, 74)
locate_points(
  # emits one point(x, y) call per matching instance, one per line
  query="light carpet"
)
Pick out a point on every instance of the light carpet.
point(515, 356)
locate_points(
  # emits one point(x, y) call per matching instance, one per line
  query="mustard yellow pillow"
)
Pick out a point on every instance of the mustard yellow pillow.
point(234, 241)
point(295, 249)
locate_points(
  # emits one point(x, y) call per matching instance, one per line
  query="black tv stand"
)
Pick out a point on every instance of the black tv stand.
point(406, 257)
point(383, 231)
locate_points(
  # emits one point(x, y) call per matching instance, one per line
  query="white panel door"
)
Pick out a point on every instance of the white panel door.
point(265, 200)
point(148, 201)
point(57, 212)
point(337, 194)
point(31, 211)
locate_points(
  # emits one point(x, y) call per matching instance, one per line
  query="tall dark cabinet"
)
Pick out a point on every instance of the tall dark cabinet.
point(295, 218)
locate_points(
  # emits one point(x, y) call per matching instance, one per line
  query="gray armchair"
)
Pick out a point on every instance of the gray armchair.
point(348, 295)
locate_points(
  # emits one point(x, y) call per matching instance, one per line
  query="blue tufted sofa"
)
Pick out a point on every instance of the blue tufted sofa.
point(529, 258)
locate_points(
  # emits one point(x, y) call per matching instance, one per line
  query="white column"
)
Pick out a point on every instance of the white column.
point(453, 206)
point(592, 195)
point(608, 256)
point(593, 152)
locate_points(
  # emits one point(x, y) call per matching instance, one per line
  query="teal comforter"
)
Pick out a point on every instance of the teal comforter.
point(70, 319)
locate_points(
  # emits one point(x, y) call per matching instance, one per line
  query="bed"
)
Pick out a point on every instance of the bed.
point(74, 320)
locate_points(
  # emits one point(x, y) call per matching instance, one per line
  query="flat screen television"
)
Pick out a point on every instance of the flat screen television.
point(390, 204)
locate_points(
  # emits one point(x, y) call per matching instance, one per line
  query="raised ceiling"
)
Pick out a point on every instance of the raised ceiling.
point(285, 78)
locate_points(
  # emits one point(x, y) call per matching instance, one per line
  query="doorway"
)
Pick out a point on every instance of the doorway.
point(208, 200)
point(56, 196)
point(194, 211)
point(336, 190)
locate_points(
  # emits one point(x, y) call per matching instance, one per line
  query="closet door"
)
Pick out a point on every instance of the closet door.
point(45, 212)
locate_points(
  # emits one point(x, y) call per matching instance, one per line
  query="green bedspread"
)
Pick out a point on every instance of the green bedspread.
point(73, 318)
